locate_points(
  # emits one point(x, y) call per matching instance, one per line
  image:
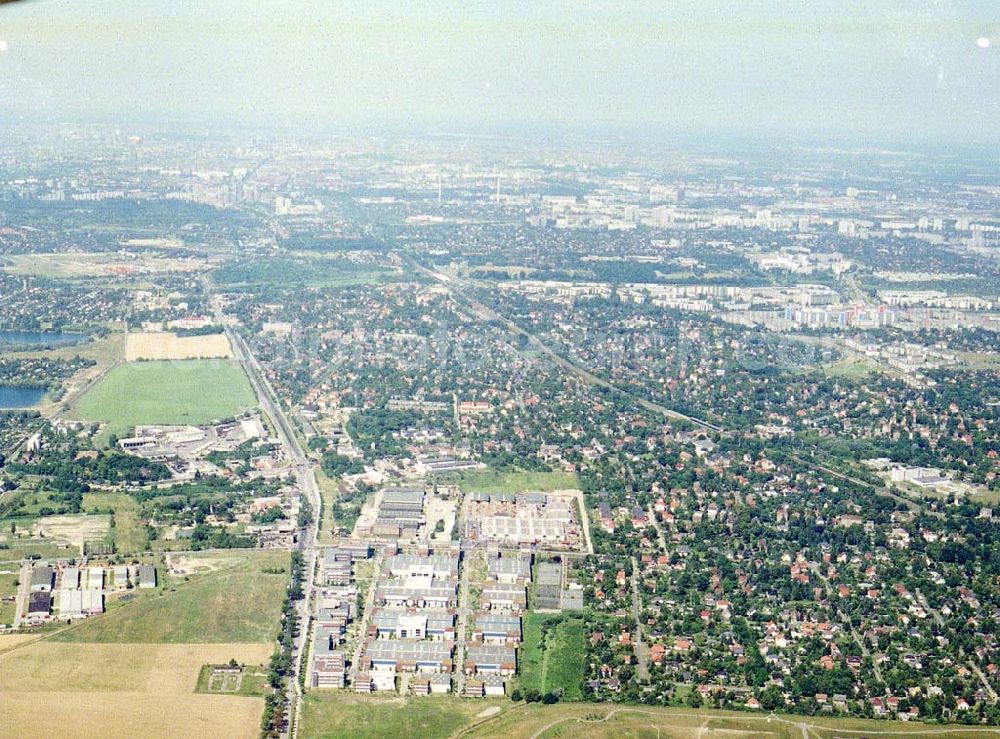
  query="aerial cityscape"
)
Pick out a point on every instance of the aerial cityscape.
point(320, 432)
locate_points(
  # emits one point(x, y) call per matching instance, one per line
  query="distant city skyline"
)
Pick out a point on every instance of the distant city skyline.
point(892, 71)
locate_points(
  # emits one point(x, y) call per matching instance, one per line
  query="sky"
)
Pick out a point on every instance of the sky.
point(892, 69)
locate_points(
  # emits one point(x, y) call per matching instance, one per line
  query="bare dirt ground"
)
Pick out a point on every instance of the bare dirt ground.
point(190, 564)
point(165, 345)
point(73, 529)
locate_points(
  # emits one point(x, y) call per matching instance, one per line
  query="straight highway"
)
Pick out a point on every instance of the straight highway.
point(306, 480)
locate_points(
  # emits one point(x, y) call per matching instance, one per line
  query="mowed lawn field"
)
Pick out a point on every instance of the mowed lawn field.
point(553, 663)
point(239, 601)
point(192, 391)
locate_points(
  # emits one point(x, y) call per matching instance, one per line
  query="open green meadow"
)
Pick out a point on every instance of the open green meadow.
point(309, 270)
point(850, 368)
point(127, 533)
point(597, 721)
point(551, 658)
point(237, 599)
point(344, 714)
point(333, 714)
point(190, 391)
point(493, 481)
point(8, 589)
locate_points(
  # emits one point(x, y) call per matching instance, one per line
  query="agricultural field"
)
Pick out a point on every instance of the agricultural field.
point(551, 660)
point(235, 598)
point(493, 481)
point(335, 714)
point(148, 345)
point(193, 391)
point(100, 689)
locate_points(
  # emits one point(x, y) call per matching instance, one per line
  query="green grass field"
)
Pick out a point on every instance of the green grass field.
point(492, 481)
point(850, 368)
point(305, 270)
point(558, 663)
point(128, 534)
point(191, 391)
point(344, 714)
point(236, 602)
point(583, 720)
point(252, 682)
point(7, 589)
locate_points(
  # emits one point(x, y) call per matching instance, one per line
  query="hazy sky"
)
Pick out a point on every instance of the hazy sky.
point(899, 68)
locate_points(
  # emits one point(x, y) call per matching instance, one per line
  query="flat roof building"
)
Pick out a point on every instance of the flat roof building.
point(39, 605)
point(493, 628)
point(406, 655)
point(70, 578)
point(493, 659)
point(427, 623)
point(41, 579)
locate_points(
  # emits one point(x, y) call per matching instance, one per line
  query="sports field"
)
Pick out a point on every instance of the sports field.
point(192, 391)
point(165, 345)
point(239, 601)
point(552, 656)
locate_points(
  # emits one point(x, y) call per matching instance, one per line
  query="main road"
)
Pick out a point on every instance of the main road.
point(306, 479)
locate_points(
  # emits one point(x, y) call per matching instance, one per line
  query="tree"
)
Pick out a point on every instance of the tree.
point(771, 698)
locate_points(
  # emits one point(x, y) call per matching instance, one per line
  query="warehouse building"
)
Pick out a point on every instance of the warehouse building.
point(491, 628)
point(425, 623)
point(406, 655)
point(511, 569)
point(39, 606)
point(490, 659)
point(42, 578)
point(147, 576)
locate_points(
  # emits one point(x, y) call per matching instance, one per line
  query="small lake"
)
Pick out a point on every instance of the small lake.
point(39, 338)
point(20, 397)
